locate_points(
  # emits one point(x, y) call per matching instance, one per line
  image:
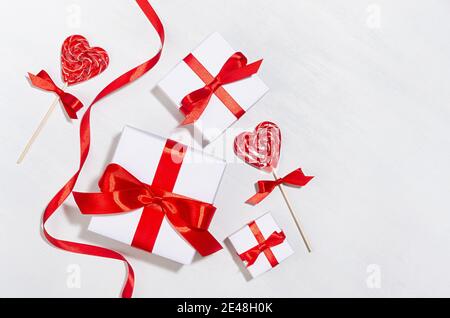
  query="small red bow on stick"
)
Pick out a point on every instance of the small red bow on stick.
point(234, 69)
point(43, 81)
point(296, 178)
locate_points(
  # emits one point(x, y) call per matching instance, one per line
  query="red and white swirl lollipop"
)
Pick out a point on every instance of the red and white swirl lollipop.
point(79, 62)
point(261, 149)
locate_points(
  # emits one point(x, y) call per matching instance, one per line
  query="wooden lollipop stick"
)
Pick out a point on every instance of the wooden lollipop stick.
point(39, 128)
point(297, 222)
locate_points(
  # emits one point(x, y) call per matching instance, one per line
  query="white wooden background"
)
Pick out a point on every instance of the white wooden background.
point(358, 87)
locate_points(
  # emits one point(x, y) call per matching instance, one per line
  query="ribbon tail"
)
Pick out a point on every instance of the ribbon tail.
point(195, 113)
point(249, 257)
point(194, 104)
point(93, 203)
point(71, 105)
point(108, 202)
point(241, 73)
point(296, 179)
point(257, 198)
point(199, 238)
point(265, 187)
point(202, 241)
point(43, 81)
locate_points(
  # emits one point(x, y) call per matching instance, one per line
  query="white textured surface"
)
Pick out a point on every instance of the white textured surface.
point(364, 109)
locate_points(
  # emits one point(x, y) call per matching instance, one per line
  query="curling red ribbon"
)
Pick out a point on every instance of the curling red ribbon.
point(264, 246)
point(265, 187)
point(234, 69)
point(43, 81)
point(122, 192)
point(85, 142)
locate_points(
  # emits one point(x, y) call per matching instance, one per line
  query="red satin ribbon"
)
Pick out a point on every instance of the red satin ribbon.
point(122, 192)
point(43, 81)
point(165, 178)
point(85, 142)
point(234, 69)
point(264, 246)
point(265, 187)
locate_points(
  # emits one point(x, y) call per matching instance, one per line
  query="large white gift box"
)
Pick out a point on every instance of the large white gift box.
point(182, 80)
point(198, 178)
point(257, 234)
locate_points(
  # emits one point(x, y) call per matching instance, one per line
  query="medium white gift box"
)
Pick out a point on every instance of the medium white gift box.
point(182, 80)
point(255, 234)
point(199, 177)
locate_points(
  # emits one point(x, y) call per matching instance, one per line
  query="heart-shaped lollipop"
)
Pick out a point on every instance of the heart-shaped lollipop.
point(260, 148)
point(80, 62)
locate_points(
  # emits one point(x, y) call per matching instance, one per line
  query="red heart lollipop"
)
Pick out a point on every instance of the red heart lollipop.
point(260, 148)
point(79, 61)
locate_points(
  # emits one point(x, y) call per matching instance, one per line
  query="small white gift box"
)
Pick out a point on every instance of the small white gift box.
point(263, 241)
point(212, 54)
point(198, 177)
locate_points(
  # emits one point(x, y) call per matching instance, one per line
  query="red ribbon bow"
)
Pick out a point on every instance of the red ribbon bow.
point(122, 192)
point(265, 187)
point(43, 81)
point(234, 69)
point(252, 255)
